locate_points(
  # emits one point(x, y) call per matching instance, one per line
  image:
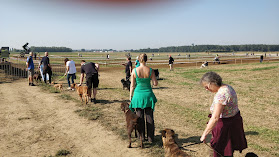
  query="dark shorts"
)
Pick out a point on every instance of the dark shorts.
point(93, 80)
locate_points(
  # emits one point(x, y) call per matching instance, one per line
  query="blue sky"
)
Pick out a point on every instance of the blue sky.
point(175, 23)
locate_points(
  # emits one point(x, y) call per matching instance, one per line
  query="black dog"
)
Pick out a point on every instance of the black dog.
point(126, 84)
point(156, 71)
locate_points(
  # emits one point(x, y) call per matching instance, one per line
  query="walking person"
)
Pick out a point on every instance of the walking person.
point(261, 58)
point(171, 60)
point(30, 69)
point(128, 69)
point(70, 71)
point(92, 78)
point(142, 97)
point(35, 55)
point(46, 67)
point(226, 123)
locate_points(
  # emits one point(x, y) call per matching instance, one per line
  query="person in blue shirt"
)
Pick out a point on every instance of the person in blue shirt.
point(30, 69)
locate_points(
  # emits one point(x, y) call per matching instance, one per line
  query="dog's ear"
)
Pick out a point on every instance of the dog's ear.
point(172, 133)
point(163, 132)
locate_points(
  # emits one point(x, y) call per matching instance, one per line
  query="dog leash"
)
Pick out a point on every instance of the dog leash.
point(206, 145)
point(61, 78)
point(213, 149)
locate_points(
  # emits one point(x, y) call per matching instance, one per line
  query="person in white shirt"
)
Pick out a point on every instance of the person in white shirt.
point(70, 71)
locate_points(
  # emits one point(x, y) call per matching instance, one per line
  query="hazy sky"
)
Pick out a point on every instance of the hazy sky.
point(134, 26)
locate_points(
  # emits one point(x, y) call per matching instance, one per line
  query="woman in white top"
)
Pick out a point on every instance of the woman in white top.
point(70, 71)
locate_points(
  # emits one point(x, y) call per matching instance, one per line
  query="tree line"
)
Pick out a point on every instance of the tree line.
point(212, 48)
point(50, 49)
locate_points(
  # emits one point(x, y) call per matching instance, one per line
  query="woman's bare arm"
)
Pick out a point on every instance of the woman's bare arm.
point(218, 108)
point(133, 82)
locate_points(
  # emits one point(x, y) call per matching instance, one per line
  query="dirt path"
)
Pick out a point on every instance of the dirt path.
point(43, 124)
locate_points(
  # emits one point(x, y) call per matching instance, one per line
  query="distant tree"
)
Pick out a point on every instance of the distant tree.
point(213, 48)
point(50, 49)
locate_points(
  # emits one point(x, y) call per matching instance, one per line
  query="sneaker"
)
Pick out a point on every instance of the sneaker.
point(29, 84)
point(32, 84)
point(69, 88)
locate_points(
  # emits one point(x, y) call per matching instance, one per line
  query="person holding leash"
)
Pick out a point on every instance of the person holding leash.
point(70, 71)
point(141, 95)
point(30, 69)
point(92, 78)
point(226, 123)
point(46, 67)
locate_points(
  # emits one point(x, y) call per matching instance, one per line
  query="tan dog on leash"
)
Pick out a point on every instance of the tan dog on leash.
point(82, 92)
point(170, 146)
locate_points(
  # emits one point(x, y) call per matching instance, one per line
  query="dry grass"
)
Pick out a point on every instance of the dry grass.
point(183, 105)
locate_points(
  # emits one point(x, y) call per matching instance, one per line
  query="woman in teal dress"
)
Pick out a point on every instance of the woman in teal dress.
point(141, 95)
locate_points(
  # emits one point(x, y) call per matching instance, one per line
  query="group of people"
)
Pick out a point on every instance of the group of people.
point(88, 68)
point(225, 123)
point(44, 66)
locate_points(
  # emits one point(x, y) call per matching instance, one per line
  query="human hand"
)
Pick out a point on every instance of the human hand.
point(202, 139)
point(65, 74)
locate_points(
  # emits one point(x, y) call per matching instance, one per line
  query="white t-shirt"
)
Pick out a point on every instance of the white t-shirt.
point(72, 67)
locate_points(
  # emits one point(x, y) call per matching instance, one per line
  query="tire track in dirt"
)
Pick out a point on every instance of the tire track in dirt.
point(36, 123)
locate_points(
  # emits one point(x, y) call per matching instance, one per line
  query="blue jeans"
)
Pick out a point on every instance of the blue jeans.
point(73, 76)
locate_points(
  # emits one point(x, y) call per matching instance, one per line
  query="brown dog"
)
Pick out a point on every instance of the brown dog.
point(170, 146)
point(82, 92)
point(132, 121)
point(37, 77)
point(58, 86)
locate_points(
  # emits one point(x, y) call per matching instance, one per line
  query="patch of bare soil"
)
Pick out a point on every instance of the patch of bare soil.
point(36, 123)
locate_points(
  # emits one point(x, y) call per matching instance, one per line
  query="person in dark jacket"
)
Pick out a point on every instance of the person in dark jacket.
point(226, 123)
point(92, 78)
point(261, 59)
point(128, 69)
point(171, 60)
point(46, 67)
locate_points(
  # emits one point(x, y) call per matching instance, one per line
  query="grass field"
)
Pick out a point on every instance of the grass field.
point(117, 58)
point(183, 105)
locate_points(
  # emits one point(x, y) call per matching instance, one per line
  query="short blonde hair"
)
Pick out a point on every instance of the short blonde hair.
point(142, 58)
